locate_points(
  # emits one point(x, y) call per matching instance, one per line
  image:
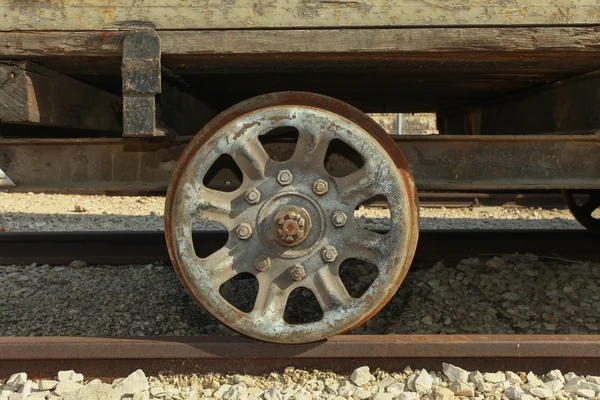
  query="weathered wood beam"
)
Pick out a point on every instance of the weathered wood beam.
point(436, 162)
point(242, 14)
point(571, 105)
point(435, 43)
point(32, 94)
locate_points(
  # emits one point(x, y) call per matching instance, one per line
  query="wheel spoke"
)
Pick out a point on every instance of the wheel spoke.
point(220, 266)
point(592, 204)
point(252, 159)
point(329, 289)
point(368, 246)
point(362, 184)
point(214, 205)
point(310, 149)
point(270, 301)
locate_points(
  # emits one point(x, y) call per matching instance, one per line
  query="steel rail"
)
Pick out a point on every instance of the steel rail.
point(113, 357)
point(474, 199)
point(121, 248)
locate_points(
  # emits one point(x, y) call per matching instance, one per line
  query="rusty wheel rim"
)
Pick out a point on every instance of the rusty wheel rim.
point(310, 263)
point(582, 204)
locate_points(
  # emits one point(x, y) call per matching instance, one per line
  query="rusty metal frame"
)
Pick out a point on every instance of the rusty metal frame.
point(437, 162)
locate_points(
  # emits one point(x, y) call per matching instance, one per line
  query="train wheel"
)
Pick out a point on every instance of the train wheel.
point(291, 223)
point(583, 204)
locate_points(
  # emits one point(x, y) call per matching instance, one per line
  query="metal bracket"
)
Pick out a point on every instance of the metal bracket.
point(5, 181)
point(140, 70)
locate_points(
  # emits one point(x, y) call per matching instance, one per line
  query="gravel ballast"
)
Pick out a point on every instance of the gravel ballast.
point(22, 212)
point(448, 383)
point(502, 294)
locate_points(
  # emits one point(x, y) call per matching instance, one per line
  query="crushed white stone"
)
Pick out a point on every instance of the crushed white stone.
point(541, 392)
point(69, 376)
point(533, 380)
point(298, 384)
point(361, 376)
point(442, 393)
point(423, 382)
point(555, 374)
point(462, 389)
point(455, 373)
point(18, 387)
point(495, 377)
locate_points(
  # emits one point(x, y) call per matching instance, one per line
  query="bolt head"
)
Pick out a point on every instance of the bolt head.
point(320, 187)
point(252, 196)
point(244, 231)
point(297, 272)
point(339, 219)
point(262, 263)
point(285, 177)
point(329, 254)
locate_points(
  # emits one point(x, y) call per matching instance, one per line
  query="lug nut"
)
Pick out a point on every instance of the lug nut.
point(285, 177)
point(329, 254)
point(339, 219)
point(252, 196)
point(262, 263)
point(244, 231)
point(320, 187)
point(297, 272)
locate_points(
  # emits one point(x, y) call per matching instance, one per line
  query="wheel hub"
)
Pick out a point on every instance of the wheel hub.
point(292, 225)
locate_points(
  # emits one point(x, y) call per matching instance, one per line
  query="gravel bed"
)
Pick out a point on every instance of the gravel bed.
point(507, 294)
point(22, 212)
point(451, 382)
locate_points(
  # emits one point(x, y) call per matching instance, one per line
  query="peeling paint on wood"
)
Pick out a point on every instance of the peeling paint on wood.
point(243, 14)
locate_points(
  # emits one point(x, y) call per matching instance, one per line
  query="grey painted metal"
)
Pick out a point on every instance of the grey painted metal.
point(297, 264)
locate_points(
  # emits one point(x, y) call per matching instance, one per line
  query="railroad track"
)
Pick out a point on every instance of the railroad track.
point(113, 357)
point(147, 247)
point(108, 358)
point(504, 199)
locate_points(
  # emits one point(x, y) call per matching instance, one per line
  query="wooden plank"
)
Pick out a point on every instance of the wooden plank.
point(31, 94)
point(572, 105)
point(244, 14)
point(436, 43)
point(426, 68)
